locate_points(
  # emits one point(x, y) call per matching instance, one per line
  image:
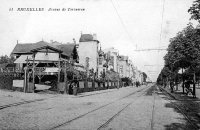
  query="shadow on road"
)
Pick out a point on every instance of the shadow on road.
point(188, 108)
point(151, 90)
point(180, 95)
point(178, 126)
point(184, 107)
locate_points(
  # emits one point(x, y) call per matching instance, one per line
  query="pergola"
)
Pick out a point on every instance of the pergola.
point(50, 58)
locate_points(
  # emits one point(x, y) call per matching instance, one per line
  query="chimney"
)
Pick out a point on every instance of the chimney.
point(94, 36)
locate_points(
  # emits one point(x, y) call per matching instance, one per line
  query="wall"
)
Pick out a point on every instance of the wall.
point(88, 49)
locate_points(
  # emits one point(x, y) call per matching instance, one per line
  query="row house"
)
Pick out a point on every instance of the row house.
point(112, 56)
point(126, 67)
point(140, 76)
point(123, 66)
point(93, 57)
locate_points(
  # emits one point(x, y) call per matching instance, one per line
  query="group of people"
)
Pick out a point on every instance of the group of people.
point(187, 84)
point(73, 87)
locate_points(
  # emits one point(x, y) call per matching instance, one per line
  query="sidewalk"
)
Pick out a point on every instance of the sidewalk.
point(178, 94)
point(9, 97)
point(191, 105)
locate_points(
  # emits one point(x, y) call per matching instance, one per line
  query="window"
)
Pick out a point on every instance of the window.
point(100, 60)
point(112, 61)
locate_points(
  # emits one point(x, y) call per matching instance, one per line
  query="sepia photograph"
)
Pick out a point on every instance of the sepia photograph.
point(100, 65)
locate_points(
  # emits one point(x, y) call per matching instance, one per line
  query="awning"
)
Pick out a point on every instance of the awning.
point(51, 69)
point(38, 57)
point(47, 57)
point(23, 58)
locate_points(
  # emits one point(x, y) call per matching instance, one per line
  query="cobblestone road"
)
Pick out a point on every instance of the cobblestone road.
point(142, 108)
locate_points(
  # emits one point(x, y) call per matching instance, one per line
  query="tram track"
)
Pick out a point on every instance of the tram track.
point(153, 111)
point(78, 96)
point(104, 125)
point(99, 108)
point(196, 127)
point(42, 99)
point(23, 102)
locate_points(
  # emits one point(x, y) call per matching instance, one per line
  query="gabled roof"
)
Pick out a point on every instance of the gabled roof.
point(66, 49)
point(27, 47)
point(46, 47)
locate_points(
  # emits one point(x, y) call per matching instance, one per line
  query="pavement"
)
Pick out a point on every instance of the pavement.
point(9, 97)
point(138, 108)
point(191, 104)
point(178, 95)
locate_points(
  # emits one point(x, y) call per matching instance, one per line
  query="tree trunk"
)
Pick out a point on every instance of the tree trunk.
point(194, 88)
point(183, 82)
point(176, 83)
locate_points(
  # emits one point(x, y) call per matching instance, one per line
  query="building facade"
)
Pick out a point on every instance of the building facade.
point(88, 51)
point(112, 54)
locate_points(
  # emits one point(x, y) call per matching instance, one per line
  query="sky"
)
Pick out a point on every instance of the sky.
point(126, 25)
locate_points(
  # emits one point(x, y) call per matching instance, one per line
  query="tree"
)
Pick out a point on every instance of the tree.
point(194, 10)
point(6, 59)
point(75, 55)
point(183, 52)
point(144, 76)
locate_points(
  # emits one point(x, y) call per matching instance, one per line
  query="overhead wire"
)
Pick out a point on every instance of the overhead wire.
point(125, 29)
point(161, 29)
point(121, 21)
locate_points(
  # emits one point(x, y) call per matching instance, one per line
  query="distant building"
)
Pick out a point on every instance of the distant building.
point(123, 66)
point(102, 64)
point(112, 54)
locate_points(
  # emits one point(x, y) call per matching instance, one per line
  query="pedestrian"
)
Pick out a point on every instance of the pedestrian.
point(187, 86)
point(171, 86)
point(71, 87)
point(137, 84)
point(75, 87)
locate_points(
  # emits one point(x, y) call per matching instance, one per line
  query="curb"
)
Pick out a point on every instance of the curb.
point(171, 95)
point(174, 97)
